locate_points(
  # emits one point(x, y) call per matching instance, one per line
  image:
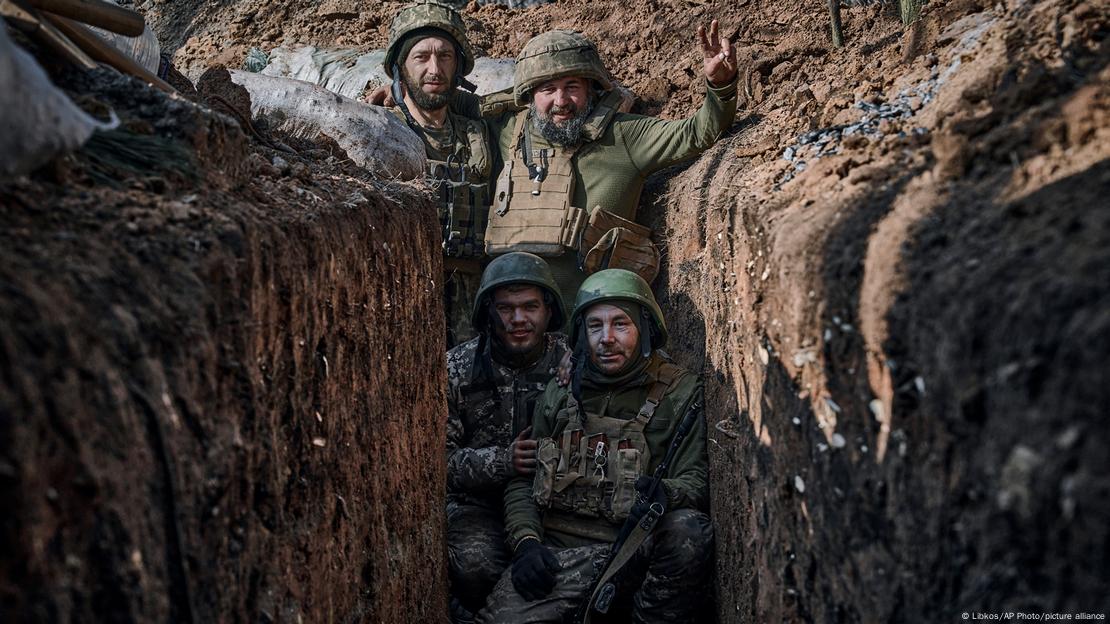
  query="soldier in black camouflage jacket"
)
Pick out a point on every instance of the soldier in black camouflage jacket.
point(494, 381)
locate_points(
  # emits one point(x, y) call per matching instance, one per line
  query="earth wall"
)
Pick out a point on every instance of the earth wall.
point(219, 398)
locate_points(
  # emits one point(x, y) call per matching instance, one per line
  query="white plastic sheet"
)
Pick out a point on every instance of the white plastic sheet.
point(37, 121)
point(373, 137)
point(349, 73)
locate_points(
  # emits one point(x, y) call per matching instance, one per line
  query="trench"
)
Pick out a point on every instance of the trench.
point(903, 342)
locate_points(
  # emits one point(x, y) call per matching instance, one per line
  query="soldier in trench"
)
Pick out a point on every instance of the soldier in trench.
point(600, 444)
point(572, 167)
point(493, 383)
point(428, 57)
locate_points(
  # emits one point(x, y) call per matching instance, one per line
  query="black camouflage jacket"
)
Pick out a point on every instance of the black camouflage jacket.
point(485, 415)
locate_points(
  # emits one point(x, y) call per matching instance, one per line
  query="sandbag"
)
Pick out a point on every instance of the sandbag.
point(144, 48)
point(37, 121)
point(373, 137)
point(349, 73)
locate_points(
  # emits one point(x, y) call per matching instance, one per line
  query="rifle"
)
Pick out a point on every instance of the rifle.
point(601, 590)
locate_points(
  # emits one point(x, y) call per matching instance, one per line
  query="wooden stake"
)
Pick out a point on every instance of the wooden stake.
point(30, 22)
point(103, 51)
point(96, 13)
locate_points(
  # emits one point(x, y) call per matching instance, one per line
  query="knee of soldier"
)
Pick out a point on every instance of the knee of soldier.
point(684, 538)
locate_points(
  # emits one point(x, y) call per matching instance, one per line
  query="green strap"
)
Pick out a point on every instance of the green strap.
point(628, 550)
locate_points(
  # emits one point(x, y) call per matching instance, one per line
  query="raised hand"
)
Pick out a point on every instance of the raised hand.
point(718, 57)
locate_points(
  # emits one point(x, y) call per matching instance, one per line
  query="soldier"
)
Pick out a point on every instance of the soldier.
point(574, 167)
point(493, 383)
point(427, 57)
point(629, 413)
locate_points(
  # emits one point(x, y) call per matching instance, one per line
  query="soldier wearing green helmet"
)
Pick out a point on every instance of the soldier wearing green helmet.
point(493, 383)
point(573, 166)
point(621, 480)
point(428, 57)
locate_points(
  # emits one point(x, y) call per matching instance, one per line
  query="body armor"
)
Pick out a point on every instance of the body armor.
point(590, 467)
point(461, 183)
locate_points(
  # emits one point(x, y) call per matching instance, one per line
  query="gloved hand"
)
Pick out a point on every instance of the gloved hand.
point(643, 500)
point(534, 568)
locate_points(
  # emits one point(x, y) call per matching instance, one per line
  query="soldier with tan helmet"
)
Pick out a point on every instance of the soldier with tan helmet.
point(574, 166)
point(613, 520)
point(428, 57)
point(493, 382)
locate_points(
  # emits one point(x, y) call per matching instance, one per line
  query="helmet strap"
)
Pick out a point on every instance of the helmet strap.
point(647, 327)
point(578, 364)
point(399, 98)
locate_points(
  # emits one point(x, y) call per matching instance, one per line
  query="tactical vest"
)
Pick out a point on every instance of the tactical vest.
point(462, 185)
point(534, 212)
point(534, 193)
point(590, 468)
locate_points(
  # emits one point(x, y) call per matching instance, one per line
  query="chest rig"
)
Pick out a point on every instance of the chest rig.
point(461, 184)
point(591, 466)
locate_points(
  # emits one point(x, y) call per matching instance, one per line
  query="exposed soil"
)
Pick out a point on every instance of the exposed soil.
point(200, 418)
point(893, 272)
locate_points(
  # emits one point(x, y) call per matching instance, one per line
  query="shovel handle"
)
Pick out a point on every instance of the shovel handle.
point(102, 51)
point(96, 13)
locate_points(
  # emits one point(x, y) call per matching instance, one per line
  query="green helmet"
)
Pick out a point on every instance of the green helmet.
point(516, 268)
point(423, 15)
point(619, 285)
point(556, 54)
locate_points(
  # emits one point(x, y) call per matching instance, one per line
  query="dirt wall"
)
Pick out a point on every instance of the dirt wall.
point(218, 400)
point(903, 331)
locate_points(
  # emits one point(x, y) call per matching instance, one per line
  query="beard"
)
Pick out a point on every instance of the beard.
point(562, 133)
point(422, 99)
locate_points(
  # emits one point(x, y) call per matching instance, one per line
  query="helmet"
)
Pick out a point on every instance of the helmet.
point(516, 268)
point(619, 285)
point(556, 54)
point(423, 15)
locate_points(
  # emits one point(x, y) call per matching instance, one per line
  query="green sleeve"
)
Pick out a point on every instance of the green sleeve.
point(653, 143)
point(522, 516)
point(687, 482)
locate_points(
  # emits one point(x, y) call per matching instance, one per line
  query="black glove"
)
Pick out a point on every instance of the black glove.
point(534, 568)
point(644, 500)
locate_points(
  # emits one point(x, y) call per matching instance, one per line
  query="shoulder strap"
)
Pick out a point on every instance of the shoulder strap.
point(665, 376)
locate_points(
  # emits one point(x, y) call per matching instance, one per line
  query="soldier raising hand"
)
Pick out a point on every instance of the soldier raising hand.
point(718, 57)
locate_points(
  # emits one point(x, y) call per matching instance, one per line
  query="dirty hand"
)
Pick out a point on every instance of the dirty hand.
point(523, 451)
point(718, 56)
point(380, 97)
point(562, 376)
point(534, 568)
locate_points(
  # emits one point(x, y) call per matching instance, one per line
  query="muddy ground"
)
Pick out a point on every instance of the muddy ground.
point(893, 273)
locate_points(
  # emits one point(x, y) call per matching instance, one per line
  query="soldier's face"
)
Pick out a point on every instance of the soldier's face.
point(524, 317)
point(429, 71)
point(613, 337)
point(560, 100)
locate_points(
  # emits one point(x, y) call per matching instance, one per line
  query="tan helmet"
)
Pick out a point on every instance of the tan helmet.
point(428, 14)
point(556, 54)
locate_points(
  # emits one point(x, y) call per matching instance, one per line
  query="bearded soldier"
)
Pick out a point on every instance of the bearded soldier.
point(493, 383)
point(427, 57)
point(574, 167)
point(620, 460)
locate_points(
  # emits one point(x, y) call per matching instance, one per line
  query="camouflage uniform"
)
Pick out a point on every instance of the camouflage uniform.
point(488, 404)
point(459, 162)
point(667, 580)
point(484, 416)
